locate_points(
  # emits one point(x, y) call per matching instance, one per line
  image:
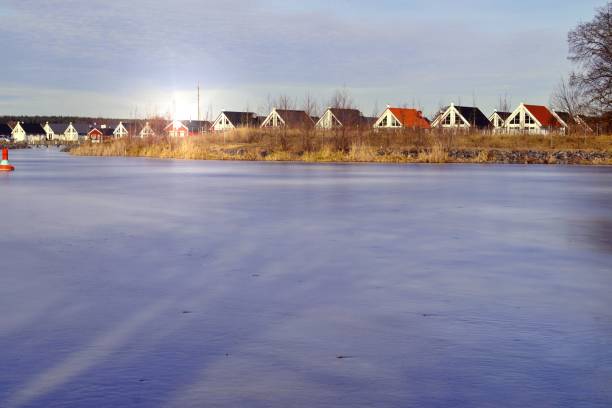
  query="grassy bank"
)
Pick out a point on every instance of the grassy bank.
point(378, 147)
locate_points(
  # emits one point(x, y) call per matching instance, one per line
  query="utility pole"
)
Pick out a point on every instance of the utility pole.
point(198, 101)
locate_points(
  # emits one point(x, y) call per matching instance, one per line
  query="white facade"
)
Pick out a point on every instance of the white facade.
point(222, 123)
point(20, 135)
point(521, 120)
point(50, 133)
point(120, 131)
point(450, 118)
point(328, 121)
point(388, 121)
point(147, 131)
point(71, 134)
point(497, 121)
point(273, 120)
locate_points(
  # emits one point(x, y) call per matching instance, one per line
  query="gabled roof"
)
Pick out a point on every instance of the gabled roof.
point(175, 125)
point(543, 115)
point(196, 126)
point(566, 117)
point(410, 118)
point(82, 128)
point(32, 128)
point(347, 117)
point(58, 128)
point(294, 118)
point(5, 130)
point(474, 116)
point(242, 119)
point(503, 115)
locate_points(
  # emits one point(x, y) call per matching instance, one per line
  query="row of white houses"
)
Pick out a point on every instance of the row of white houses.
point(533, 119)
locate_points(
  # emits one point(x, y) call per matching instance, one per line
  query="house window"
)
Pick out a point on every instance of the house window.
point(384, 122)
point(447, 120)
point(529, 120)
point(516, 120)
point(458, 120)
point(395, 123)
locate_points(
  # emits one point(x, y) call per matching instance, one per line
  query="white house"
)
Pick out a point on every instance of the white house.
point(285, 118)
point(401, 118)
point(461, 118)
point(536, 119)
point(120, 131)
point(233, 120)
point(147, 131)
point(498, 119)
point(55, 131)
point(76, 131)
point(334, 118)
point(28, 132)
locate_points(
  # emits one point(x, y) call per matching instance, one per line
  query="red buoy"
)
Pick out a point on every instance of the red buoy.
point(4, 164)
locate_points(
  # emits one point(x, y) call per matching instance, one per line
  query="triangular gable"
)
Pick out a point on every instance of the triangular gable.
point(175, 125)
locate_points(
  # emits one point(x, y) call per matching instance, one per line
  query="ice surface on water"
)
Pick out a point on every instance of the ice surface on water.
point(175, 283)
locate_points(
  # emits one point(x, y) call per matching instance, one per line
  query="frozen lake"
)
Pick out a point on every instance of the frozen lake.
point(136, 282)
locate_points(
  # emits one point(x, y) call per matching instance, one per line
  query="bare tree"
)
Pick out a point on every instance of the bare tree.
point(567, 97)
point(590, 46)
point(504, 104)
point(342, 99)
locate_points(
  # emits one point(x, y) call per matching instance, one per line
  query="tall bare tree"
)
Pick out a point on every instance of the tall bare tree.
point(590, 46)
point(567, 97)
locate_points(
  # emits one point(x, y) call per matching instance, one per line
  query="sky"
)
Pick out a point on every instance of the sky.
point(116, 58)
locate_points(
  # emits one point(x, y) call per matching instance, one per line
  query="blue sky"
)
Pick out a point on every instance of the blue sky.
point(137, 58)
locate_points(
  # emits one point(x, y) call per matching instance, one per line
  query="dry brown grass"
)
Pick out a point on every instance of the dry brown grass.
point(355, 146)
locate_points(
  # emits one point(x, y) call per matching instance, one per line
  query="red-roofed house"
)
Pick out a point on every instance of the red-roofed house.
point(398, 118)
point(534, 119)
point(176, 128)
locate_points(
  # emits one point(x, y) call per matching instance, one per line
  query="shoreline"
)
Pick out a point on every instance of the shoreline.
point(413, 156)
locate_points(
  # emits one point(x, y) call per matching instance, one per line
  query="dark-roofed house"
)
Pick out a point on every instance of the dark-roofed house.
point(337, 118)
point(534, 119)
point(76, 131)
point(498, 119)
point(198, 127)
point(28, 132)
point(55, 131)
point(5, 131)
point(461, 117)
point(286, 118)
point(401, 118)
point(233, 120)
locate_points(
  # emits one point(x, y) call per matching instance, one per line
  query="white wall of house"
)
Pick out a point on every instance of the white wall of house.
point(522, 121)
point(273, 120)
point(120, 131)
point(497, 121)
point(387, 121)
point(222, 123)
point(71, 134)
point(19, 135)
point(50, 133)
point(450, 118)
point(328, 121)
